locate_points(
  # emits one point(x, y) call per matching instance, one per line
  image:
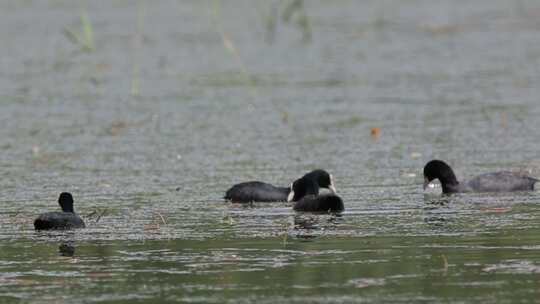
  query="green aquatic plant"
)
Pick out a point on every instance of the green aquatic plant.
point(230, 46)
point(97, 213)
point(83, 37)
point(295, 12)
point(291, 12)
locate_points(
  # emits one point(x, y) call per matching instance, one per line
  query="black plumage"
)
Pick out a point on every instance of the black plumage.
point(306, 193)
point(503, 181)
point(256, 191)
point(67, 219)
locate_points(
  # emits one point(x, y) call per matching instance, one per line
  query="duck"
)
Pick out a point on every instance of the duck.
point(67, 219)
point(502, 181)
point(256, 191)
point(305, 194)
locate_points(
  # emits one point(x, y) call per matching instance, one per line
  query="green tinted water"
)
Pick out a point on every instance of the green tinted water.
point(173, 102)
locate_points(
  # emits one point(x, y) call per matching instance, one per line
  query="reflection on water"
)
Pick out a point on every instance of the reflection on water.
point(148, 112)
point(66, 249)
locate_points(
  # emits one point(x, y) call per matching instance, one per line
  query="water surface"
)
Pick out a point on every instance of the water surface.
point(173, 102)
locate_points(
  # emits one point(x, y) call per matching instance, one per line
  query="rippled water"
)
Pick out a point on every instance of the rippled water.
point(173, 102)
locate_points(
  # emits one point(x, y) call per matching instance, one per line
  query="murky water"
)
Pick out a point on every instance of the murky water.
point(148, 111)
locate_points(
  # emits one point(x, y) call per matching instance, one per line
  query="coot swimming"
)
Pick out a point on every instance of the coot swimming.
point(67, 219)
point(256, 191)
point(503, 181)
point(305, 191)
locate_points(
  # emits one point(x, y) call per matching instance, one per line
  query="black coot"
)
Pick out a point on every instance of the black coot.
point(305, 191)
point(502, 181)
point(256, 191)
point(67, 219)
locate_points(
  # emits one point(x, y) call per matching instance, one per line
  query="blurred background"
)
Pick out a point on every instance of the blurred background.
point(149, 110)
